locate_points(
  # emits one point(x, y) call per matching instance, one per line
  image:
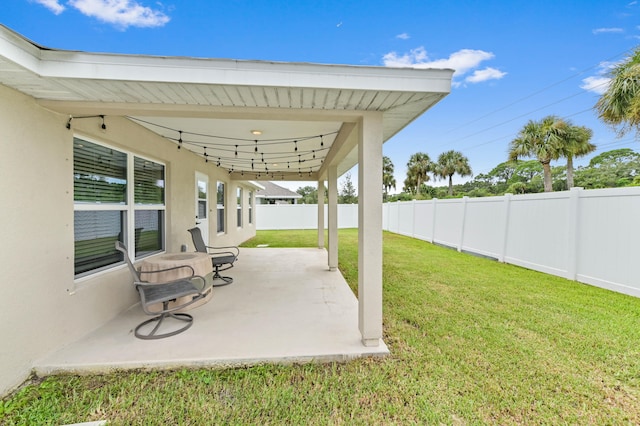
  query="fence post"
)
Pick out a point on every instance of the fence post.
point(413, 218)
point(433, 220)
point(573, 234)
point(465, 199)
point(505, 230)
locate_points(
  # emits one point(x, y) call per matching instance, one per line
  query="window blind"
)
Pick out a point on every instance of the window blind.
point(99, 173)
point(149, 182)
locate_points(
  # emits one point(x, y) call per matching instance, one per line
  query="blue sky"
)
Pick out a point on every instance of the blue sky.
point(514, 60)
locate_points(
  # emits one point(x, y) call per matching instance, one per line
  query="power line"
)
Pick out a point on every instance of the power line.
point(544, 89)
point(521, 116)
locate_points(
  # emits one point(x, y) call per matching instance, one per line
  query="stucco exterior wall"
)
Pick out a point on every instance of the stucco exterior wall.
point(44, 308)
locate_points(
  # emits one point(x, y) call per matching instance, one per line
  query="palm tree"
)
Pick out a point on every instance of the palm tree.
point(410, 185)
point(388, 180)
point(451, 163)
point(619, 106)
point(575, 144)
point(542, 140)
point(418, 169)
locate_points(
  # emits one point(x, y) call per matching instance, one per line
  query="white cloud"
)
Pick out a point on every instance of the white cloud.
point(403, 36)
point(121, 13)
point(52, 5)
point(607, 30)
point(486, 74)
point(414, 58)
point(598, 83)
point(463, 61)
point(595, 84)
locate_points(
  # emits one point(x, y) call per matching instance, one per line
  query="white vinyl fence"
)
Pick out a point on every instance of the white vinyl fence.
point(302, 216)
point(590, 236)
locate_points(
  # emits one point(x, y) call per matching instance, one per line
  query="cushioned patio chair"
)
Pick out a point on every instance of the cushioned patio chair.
point(221, 260)
point(163, 293)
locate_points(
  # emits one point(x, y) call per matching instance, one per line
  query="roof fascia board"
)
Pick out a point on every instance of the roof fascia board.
point(19, 50)
point(343, 143)
point(101, 66)
point(58, 64)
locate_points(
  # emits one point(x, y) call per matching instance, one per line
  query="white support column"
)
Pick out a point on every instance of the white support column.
point(333, 217)
point(370, 229)
point(320, 214)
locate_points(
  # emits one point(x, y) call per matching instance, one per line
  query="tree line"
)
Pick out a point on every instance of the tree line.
point(551, 138)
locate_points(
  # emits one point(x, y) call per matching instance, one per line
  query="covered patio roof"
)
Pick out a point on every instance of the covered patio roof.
point(249, 120)
point(305, 112)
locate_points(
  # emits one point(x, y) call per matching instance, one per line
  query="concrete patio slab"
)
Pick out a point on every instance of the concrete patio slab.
point(284, 306)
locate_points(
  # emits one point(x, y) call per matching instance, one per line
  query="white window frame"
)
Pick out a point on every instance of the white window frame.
point(129, 207)
point(223, 208)
point(239, 207)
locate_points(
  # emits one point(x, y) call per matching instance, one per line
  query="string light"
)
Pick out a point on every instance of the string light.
point(241, 156)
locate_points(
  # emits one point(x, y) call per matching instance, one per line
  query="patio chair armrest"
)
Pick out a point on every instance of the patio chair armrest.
point(223, 253)
point(236, 250)
point(205, 284)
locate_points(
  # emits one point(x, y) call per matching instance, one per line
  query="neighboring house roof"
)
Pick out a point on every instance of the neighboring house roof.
point(255, 185)
point(315, 108)
point(271, 190)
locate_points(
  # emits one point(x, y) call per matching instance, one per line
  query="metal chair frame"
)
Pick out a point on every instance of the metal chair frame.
point(164, 293)
point(219, 259)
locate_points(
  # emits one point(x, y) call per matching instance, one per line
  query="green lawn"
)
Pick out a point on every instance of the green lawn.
point(473, 341)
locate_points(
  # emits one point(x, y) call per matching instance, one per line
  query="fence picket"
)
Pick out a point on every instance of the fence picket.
point(589, 236)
